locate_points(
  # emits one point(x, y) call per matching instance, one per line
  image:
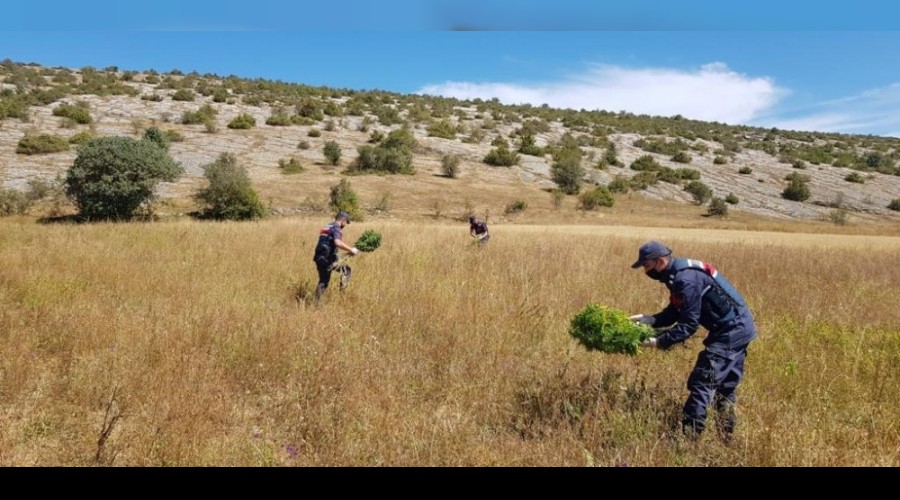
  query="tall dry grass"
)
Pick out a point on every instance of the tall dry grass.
point(185, 344)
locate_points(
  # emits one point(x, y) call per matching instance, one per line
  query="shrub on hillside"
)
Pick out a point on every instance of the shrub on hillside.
point(450, 165)
point(290, 166)
point(894, 205)
point(682, 157)
point(515, 207)
point(78, 112)
point(13, 202)
point(332, 152)
point(618, 185)
point(242, 121)
point(80, 137)
point(443, 129)
point(41, 144)
point(700, 191)
point(854, 177)
point(501, 156)
point(229, 195)
point(113, 176)
point(645, 163)
point(797, 190)
point(157, 137)
point(731, 199)
point(717, 207)
point(597, 197)
point(745, 170)
point(183, 95)
point(343, 198)
point(721, 160)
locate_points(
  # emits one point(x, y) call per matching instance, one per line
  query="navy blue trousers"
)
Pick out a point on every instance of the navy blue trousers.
point(715, 377)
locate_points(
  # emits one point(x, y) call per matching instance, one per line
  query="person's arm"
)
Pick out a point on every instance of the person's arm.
point(666, 317)
point(343, 246)
point(690, 292)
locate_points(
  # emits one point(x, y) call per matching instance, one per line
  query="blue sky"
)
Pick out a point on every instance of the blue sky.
point(795, 66)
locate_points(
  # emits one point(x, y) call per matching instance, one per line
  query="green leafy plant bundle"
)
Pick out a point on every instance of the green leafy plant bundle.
point(608, 330)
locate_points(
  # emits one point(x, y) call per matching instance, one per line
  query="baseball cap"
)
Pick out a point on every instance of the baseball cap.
point(651, 250)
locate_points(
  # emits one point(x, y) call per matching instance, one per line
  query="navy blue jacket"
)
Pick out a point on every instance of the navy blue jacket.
point(700, 296)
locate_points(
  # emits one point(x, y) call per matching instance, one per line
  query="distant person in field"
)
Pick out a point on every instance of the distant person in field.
point(700, 296)
point(478, 229)
point(326, 255)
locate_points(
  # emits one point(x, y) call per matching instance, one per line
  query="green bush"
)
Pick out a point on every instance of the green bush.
point(450, 165)
point(343, 198)
point(314, 132)
point(205, 114)
point(157, 137)
point(682, 157)
point(894, 205)
point(717, 207)
point(721, 160)
point(797, 190)
point(643, 180)
point(303, 145)
point(80, 137)
point(279, 120)
point(645, 163)
point(745, 170)
point(731, 199)
point(839, 216)
point(290, 166)
point(597, 197)
point(610, 156)
point(556, 198)
point(527, 145)
point(501, 156)
point(700, 191)
point(332, 152)
point(13, 202)
point(854, 177)
point(183, 95)
point(77, 112)
point(515, 207)
point(41, 144)
point(608, 330)
point(174, 135)
point(230, 195)
point(242, 121)
point(443, 129)
point(618, 185)
point(376, 136)
point(566, 170)
point(113, 176)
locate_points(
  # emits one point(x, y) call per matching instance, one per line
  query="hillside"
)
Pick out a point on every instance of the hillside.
point(302, 118)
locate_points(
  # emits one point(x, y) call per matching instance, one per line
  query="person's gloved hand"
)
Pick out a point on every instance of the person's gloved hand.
point(643, 318)
point(354, 251)
point(649, 343)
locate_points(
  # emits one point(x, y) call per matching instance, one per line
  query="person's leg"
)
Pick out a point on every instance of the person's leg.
point(726, 397)
point(707, 375)
point(324, 278)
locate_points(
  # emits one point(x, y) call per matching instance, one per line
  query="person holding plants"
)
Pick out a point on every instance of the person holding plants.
point(700, 296)
point(330, 240)
point(478, 229)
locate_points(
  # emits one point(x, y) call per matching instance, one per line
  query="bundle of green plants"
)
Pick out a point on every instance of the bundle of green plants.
point(608, 330)
point(369, 241)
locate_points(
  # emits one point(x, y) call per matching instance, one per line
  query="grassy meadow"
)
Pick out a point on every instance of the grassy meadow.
point(192, 343)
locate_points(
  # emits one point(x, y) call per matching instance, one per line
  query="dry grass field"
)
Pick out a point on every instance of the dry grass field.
point(189, 343)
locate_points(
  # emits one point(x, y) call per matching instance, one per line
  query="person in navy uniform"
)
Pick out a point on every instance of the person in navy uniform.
point(700, 296)
point(478, 229)
point(330, 240)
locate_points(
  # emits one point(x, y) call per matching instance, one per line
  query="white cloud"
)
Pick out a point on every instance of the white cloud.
point(874, 111)
point(711, 93)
